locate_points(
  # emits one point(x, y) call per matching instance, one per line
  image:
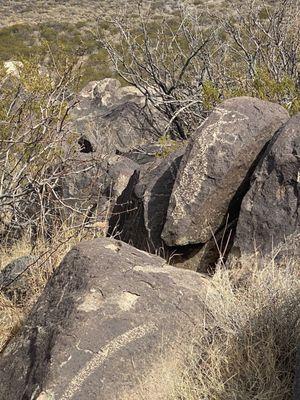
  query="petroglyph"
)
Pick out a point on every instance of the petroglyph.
point(127, 300)
point(210, 135)
point(104, 353)
point(152, 269)
point(91, 302)
point(112, 246)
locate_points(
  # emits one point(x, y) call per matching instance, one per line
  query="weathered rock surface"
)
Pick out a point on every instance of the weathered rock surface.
point(204, 257)
point(106, 319)
point(13, 68)
point(110, 118)
point(91, 186)
point(270, 211)
point(145, 153)
point(83, 183)
point(120, 171)
point(217, 167)
point(14, 278)
point(140, 213)
point(296, 394)
point(199, 257)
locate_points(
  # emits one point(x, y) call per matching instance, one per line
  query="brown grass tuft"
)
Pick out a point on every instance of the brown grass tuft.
point(247, 349)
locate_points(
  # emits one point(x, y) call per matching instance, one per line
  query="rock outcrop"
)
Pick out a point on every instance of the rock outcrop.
point(13, 68)
point(109, 118)
point(140, 213)
point(15, 277)
point(109, 132)
point(83, 185)
point(296, 392)
point(216, 168)
point(92, 186)
point(270, 211)
point(106, 320)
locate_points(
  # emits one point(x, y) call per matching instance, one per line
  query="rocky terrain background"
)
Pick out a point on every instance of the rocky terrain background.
point(149, 224)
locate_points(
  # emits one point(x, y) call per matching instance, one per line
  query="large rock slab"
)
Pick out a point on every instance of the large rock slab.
point(106, 320)
point(83, 182)
point(217, 166)
point(90, 186)
point(109, 118)
point(270, 211)
point(140, 212)
point(15, 278)
point(296, 393)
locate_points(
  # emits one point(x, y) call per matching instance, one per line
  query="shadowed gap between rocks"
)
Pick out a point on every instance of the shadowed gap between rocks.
point(85, 145)
point(140, 212)
point(127, 204)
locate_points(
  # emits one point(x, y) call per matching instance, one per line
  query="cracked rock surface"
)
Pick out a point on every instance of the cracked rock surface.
point(107, 317)
point(270, 211)
point(216, 167)
point(140, 212)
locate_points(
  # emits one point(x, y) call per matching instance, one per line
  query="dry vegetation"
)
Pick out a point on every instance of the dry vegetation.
point(49, 254)
point(247, 349)
point(20, 12)
point(187, 65)
point(36, 147)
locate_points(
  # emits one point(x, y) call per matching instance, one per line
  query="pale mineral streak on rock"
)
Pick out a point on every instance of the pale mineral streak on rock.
point(112, 246)
point(46, 396)
point(113, 346)
point(91, 302)
point(127, 300)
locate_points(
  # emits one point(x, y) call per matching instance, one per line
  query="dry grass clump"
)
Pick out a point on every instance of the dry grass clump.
point(247, 348)
point(48, 255)
point(10, 320)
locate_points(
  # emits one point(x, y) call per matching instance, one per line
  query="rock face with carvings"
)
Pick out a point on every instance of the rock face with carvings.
point(270, 211)
point(108, 318)
point(216, 168)
point(109, 118)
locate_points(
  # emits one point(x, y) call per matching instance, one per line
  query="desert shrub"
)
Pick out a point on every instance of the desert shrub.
point(187, 64)
point(15, 42)
point(34, 109)
point(247, 348)
point(23, 42)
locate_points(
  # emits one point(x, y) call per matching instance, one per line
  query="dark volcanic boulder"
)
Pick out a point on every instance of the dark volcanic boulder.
point(90, 185)
point(217, 166)
point(109, 118)
point(140, 213)
point(270, 211)
point(15, 278)
point(120, 171)
point(296, 395)
point(107, 319)
point(84, 181)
